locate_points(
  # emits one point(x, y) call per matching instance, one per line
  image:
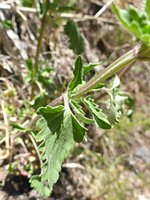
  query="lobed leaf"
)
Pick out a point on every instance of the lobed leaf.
point(99, 117)
point(40, 186)
point(89, 67)
point(75, 39)
point(79, 112)
point(116, 82)
point(57, 139)
point(117, 102)
point(135, 21)
point(78, 130)
point(78, 74)
point(147, 8)
point(122, 15)
point(114, 110)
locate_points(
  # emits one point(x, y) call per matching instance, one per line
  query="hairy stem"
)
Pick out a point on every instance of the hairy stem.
point(128, 58)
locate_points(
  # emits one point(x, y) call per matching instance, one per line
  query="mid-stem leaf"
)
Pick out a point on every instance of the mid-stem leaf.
point(78, 130)
point(89, 67)
point(99, 117)
point(79, 112)
point(147, 8)
point(29, 65)
point(57, 140)
point(78, 74)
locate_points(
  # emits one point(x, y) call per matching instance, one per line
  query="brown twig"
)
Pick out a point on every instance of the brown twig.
point(104, 8)
point(78, 17)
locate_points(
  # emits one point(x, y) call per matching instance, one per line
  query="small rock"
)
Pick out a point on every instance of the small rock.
point(3, 195)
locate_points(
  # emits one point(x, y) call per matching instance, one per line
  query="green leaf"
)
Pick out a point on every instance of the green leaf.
point(75, 39)
point(147, 8)
point(40, 100)
point(7, 24)
point(135, 28)
point(40, 186)
point(43, 7)
point(79, 112)
point(27, 3)
point(144, 50)
point(114, 110)
point(122, 15)
point(117, 102)
point(133, 13)
point(45, 79)
point(40, 9)
point(53, 22)
point(56, 3)
point(116, 82)
point(29, 65)
point(47, 5)
point(28, 78)
point(135, 21)
point(65, 9)
point(18, 127)
point(130, 102)
point(146, 38)
point(78, 74)
point(99, 117)
point(97, 87)
point(57, 140)
point(77, 151)
point(115, 106)
point(78, 130)
point(89, 67)
point(46, 71)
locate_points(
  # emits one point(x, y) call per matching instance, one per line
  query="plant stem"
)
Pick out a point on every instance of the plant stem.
point(128, 58)
point(41, 35)
point(38, 50)
point(66, 100)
